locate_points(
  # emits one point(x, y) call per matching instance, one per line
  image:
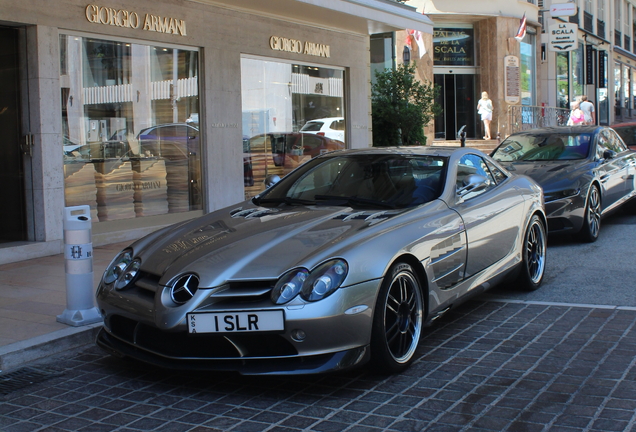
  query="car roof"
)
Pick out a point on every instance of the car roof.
point(628, 124)
point(561, 130)
point(325, 119)
point(410, 150)
point(161, 125)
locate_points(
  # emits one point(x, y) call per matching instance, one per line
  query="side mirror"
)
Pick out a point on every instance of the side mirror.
point(609, 154)
point(473, 183)
point(271, 180)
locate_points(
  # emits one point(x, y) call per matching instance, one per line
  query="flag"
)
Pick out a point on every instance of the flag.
point(419, 40)
point(521, 33)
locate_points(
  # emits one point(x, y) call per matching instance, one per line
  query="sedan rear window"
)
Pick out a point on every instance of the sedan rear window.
point(529, 147)
point(311, 126)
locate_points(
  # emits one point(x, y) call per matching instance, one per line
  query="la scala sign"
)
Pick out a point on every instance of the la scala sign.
point(563, 37)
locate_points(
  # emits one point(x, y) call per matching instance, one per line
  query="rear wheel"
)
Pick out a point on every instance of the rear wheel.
point(533, 255)
point(592, 216)
point(397, 320)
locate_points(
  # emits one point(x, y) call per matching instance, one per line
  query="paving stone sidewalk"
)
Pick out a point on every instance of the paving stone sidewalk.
point(486, 366)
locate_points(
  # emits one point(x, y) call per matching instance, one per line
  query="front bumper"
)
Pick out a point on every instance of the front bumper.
point(248, 366)
point(566, 215)
point(337, 333)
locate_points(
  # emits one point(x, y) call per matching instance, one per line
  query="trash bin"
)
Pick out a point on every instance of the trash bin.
point(78, 256)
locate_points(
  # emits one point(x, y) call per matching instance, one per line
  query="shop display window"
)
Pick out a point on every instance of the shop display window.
point(130, 117)
point(291, 113)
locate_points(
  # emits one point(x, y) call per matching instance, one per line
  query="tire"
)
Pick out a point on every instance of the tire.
point(533, 255)
point(591, 217)
point(397, 320)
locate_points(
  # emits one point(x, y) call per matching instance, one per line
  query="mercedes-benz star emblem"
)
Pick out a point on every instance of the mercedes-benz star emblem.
point(184, 287)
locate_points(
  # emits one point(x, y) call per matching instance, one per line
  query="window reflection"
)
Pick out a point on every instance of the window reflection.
point(291, 113)
point(130, 128)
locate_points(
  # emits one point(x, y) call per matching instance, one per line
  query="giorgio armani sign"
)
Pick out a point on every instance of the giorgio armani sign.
point(130, 19)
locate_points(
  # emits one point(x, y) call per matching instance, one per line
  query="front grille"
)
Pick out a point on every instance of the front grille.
point(146, 284)
point(202, 345)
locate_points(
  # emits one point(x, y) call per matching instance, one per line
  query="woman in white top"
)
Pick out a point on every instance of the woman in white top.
point(484, 108)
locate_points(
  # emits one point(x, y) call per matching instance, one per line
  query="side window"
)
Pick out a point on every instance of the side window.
point(602, 144)
point(338, 125)
point(472, 164)
point(498, 174)
point(618, 144)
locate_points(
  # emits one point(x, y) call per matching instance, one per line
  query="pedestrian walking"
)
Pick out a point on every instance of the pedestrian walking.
point(577, 118)
point(588, 110)
point(485, 109)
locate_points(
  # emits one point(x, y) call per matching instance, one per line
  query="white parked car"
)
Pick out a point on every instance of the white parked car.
point(331, 127)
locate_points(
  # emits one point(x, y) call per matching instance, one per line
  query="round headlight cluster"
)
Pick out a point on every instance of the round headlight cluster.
point(122, 270)
point(312, 286)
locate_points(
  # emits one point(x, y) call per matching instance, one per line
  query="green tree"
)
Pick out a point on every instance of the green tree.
point(401, 107)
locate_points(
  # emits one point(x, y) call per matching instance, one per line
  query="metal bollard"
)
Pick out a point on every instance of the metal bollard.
point(78, 254)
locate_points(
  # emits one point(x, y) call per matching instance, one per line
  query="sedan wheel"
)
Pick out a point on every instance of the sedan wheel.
point(592, 218)
point(397, 320)
point(533, 255)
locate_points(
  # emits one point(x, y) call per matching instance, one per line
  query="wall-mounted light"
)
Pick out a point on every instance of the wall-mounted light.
point(406, 55)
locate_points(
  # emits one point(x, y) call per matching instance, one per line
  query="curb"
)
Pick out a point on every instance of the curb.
point(19, 354)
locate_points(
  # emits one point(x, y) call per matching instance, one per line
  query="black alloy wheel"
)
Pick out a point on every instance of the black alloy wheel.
point(592, 216)
point(397, 320)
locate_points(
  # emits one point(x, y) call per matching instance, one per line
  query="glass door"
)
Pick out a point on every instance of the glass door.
point(459, 106)
point(13, 217)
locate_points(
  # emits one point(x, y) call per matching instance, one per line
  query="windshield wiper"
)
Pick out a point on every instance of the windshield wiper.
point(285, 200)
point(352, 200)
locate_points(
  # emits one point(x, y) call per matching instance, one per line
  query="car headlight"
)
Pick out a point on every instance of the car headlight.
point(122, 270)
point(129, 275)
point(557, 195)
point(289, 285)
point(312, 286)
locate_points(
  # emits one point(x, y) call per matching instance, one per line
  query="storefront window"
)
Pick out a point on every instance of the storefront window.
point(528, 69)
point(131, 128)
point(617, 88)
point(633, 98)
point(291, 113)
point(563, 81)
point(382, 55)
point(626, 87)
point(578, 71)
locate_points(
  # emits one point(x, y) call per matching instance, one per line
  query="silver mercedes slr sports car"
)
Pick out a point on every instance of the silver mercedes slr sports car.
point(345, 260)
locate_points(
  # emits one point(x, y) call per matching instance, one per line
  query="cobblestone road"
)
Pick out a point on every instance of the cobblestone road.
point(487, 366)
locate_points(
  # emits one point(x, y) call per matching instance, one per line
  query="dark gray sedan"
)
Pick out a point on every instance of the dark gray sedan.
point(586, 172)
point(343, 261)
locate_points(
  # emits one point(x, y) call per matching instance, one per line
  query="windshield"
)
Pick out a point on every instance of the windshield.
point(363, 180)
point(529, 147)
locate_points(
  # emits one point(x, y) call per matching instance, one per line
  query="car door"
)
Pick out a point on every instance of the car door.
point(612, 170)
point(492, 216)
point(627, 158)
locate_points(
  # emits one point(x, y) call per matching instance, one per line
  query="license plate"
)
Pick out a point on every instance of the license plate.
point(236, 322)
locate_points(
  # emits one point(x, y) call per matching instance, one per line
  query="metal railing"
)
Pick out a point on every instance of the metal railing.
point(522, 117)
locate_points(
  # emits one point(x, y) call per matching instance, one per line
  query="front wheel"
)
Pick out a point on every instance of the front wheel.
point(533, 255)
point(397, 320)
point(591, 217)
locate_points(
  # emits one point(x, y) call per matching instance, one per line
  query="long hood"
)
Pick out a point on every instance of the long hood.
point(547, 173)
point(251, 242)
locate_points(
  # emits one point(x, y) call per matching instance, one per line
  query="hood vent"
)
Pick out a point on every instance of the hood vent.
point(371, 217)
point(252, 212)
